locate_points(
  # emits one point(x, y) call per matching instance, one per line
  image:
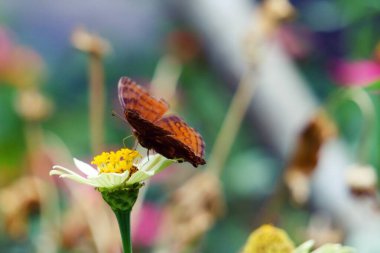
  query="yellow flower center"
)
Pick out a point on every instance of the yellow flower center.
point(116, 162)
point(268, 239)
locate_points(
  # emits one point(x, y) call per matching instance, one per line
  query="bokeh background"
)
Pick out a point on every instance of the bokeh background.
point(307, 56)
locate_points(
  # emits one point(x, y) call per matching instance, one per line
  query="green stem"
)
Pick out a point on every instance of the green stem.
point(363, 101)
point(123, 218)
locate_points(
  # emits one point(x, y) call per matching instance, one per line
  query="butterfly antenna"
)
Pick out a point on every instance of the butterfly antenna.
point(115, 114)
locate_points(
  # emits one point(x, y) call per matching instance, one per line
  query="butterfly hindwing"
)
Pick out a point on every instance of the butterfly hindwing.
point(183, 133)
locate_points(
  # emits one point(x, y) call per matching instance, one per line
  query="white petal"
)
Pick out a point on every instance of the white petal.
point(155, 163)
point(81, 180)
point(110, 179)
point(139, 176)
point(102, 182)
point(64, 170)
point(141, 164)
point(85, 168)
point(304, 247)
point(148, 167)
point(66, 173)
point(328, 248)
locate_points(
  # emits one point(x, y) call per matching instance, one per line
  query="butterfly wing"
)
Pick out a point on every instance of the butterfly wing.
point(141, 111)
point(134, 98)
point(144, 128)
point(170, 136)
point(187, 142)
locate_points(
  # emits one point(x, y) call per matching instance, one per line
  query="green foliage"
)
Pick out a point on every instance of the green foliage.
point(12, 143)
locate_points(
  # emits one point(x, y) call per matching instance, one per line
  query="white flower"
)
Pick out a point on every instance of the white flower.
point(334, 248)
point(305, 247)
point(115, 169)
point(327, 248)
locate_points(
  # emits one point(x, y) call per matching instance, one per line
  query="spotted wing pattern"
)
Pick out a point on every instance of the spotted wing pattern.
point(135, 98)
point(187, 137)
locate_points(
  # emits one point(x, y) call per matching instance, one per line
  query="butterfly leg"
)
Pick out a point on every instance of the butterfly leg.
point(135, 145)
point(147, 154)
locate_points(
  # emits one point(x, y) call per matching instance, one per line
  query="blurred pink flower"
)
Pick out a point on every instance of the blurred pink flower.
point(19, 65)
point(147, 225)
point(355, 73)
point(297, 41)
point(5, 47)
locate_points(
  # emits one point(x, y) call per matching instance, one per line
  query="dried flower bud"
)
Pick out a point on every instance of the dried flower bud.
point(193, 210)
point(305, 158)
point(88, 42)
point(362, 180)
point(32, 105)
point(319, 129)
point(183, 45)
point(322, 230)
point(278, 9)
point(17, 201)
point(298, 184)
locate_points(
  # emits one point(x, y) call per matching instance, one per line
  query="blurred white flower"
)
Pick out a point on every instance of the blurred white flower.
point(304, 247)
point(327, 248)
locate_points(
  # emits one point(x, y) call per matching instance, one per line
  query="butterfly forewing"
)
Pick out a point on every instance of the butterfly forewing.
point(134, 98)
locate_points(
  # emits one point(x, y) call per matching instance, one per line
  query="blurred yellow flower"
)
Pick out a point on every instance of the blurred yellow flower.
point(268, 239)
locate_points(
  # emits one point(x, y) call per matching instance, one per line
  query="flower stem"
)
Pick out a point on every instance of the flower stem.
point(232, 121)
point(367, 108)
point(97, 102)
point(123, 218)
point(121, 201)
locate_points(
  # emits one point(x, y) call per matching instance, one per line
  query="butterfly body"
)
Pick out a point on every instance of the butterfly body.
point(168, 135)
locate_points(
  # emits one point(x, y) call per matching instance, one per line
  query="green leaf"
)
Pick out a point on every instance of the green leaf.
point(373, 87)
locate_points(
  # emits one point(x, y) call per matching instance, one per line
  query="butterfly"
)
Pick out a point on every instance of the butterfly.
point(168, 135)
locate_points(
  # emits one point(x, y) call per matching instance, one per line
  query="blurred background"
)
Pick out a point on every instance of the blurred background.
point(284, 93)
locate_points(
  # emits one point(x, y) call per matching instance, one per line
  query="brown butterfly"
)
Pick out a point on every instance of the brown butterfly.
point(168, 135)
